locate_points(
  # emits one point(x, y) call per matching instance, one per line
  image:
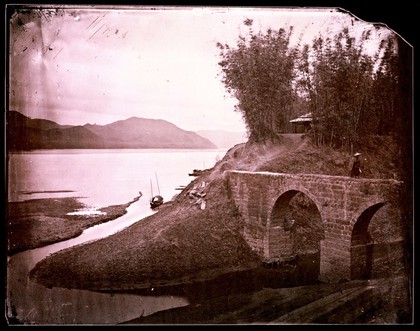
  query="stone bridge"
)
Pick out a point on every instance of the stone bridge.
point(346, 207)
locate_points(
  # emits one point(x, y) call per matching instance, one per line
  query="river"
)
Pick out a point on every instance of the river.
point(99, 178)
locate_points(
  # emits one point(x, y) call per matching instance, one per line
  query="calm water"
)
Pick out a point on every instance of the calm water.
point(100, 178)
point(104, 177)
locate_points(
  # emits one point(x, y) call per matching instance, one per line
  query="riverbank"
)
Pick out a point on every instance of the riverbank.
point(317, 303)
point(183, 244)
point(39, 222)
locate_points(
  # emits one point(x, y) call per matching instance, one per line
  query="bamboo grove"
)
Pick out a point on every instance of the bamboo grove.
point(351, 94)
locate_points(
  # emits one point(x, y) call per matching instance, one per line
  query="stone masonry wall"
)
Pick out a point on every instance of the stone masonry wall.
point(340, 201)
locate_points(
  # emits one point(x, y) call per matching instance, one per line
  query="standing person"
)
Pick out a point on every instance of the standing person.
point(355, 170)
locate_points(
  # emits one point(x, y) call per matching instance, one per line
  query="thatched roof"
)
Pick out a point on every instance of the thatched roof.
point(302, 119)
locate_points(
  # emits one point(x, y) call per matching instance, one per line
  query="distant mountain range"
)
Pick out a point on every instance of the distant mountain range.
point(24, 133)
point(223, 139)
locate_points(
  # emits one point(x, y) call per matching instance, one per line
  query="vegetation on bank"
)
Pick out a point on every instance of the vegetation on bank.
point(351, 93)
point(359, 100)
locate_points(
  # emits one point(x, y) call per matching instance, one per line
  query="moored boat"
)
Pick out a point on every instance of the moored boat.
point(156, 201)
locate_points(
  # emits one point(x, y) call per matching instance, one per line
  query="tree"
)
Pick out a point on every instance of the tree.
point(337, 77)
point(352, 94)
point(385, 90)
point(259, 72)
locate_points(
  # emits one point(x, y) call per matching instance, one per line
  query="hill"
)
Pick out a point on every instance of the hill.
point(201, 254)
point(147, 133)
point(24, 133)
point(223, 139)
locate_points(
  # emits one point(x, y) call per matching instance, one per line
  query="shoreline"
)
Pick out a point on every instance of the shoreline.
point(37, 223)
point(187, 243)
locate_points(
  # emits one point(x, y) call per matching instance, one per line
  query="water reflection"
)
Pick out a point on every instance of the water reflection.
point(99, 178)
point(36, 304)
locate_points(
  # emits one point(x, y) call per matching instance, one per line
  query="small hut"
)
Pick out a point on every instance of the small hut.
point(302, 123)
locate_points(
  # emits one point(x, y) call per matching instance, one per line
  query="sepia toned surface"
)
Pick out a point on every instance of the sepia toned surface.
point(108, 107)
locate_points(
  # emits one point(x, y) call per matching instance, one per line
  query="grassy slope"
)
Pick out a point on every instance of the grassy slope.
point(180, 243)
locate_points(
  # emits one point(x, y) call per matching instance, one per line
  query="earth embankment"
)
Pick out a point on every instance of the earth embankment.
point(185, 244)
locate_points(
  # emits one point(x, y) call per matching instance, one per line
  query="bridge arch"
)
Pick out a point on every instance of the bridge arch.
point(362, 244)
point(346, 208)
point(288, 229)
point(282, 199)
point(364, 207)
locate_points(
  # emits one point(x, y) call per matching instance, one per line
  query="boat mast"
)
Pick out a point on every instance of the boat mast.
point(151, 190)
point(157, 183)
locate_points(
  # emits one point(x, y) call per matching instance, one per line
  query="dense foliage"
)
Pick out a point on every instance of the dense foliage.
point(351, 94)
point(260, 73)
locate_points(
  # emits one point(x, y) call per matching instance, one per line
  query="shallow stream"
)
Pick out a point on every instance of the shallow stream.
point(35, 304)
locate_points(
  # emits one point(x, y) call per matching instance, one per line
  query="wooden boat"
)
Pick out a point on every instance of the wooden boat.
point(196, 172)
point(156, 200)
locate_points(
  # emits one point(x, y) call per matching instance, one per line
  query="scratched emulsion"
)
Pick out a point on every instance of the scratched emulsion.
point(32, 46)
point(41, 43)
point(41, 77)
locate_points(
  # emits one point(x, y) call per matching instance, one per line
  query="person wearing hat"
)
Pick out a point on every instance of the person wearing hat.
point(355, 170)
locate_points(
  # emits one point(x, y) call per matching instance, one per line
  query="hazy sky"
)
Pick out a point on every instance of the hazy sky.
point(99, 65)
